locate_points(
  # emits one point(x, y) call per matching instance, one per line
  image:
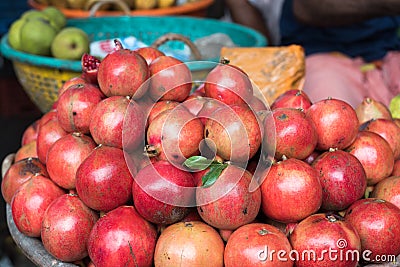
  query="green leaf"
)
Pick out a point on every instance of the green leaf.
point(198, 162)
point(212, 175)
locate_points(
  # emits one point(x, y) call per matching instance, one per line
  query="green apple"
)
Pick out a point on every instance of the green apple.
point(14, 34)
point(37, 36)
point(70, 43)
point(56, 16)
point(394, 107)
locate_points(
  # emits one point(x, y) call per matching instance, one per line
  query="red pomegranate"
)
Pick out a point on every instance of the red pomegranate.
point(162, 193)
point(74, 81)
point(325, 239)
point(194, 103)
point(159, 107)
point(396, 168)
point(122, 238)
point(48, 134)
point(208, 108)
point(292, 98)
point(378, 224)
point(342, 178)
point(189, 244)
point(228, 84)
point(103, 180)
point(18, 173)
point(122, 72)
point(26, 151)
point(149, 53)
point(30, 133)
point(66, 155)
point(228, 203)
point(169, 132)
point(380, 165)
point(170, 79)
point(336, 123)
point(118, 121)
point(49, 115)
point(257, 244)
point(389, 130)
point(291, 191)
point(30, 202)
point(236, 132)
point(66, 226)
point(388, 189)
point(257, 104)
point(295, 133)
point(75, 107)
point(370, 109)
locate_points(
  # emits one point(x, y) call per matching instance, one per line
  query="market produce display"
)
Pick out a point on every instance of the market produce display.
point(45, 33)
point(137, 164)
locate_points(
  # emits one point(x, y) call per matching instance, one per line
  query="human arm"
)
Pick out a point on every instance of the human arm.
point(242, 12)
point(342, 12)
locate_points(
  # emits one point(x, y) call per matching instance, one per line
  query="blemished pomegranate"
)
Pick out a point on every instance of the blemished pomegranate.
point(76, 105)
point(381, 164)
point(370, 109)
point(388, 189)
point(257, 244)
point(163, 193)
point(30, 202)
point(293, 98)
point(122, 238)
point(122, 72)
point(66, 226)
point(342, 178)
point(118, 121)
point(192, 243)
point(291, 191)
point(18, 173)
point(170, 79)
point(295, 133)
point(378, 223)
point(236, 132)
point(174, 135)
point(324, 239)
point(66, 155)
point(228, 203)
point(336, 123)
point(103, 179)
point(228, 84)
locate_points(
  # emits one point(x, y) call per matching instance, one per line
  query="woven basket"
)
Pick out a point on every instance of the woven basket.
point(41, 77)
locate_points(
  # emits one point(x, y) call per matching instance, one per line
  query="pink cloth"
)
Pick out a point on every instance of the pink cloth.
point(338, 76)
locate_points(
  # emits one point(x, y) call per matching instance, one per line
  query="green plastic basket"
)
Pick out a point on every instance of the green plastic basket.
point(41, 77)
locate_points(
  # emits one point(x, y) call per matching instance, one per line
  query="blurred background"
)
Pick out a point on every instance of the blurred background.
point(17, 112)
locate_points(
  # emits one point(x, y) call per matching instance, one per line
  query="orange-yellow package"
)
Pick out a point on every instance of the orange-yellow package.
point(273, 70)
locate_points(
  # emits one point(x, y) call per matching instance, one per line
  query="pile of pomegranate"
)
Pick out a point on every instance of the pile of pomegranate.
point(139, 165)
